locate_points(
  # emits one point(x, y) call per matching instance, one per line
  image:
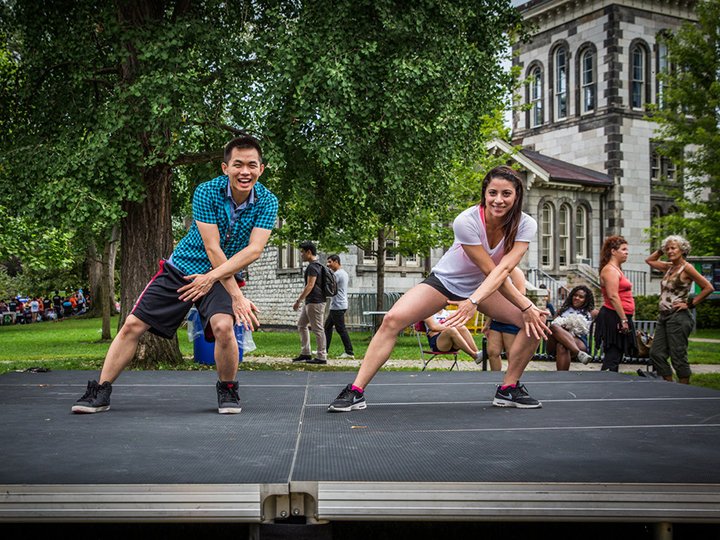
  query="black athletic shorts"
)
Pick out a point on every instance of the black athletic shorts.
point(436, 284)
point(160, 306)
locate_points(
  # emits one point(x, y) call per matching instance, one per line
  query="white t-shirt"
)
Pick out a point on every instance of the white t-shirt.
point(455, 269)
point(340, 301)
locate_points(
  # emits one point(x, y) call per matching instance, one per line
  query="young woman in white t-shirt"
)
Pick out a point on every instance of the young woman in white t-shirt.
point(490, 240)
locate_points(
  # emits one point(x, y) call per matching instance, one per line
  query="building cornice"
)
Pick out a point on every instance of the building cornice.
point(549, 13)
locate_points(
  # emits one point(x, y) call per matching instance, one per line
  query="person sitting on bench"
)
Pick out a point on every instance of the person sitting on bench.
point(569, 339)
point(446, 339)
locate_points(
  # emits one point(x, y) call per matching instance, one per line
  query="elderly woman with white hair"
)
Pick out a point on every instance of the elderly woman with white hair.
point(675, 320)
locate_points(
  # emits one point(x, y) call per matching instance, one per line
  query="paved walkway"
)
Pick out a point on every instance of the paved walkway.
point(704, 340)
point(466, 365)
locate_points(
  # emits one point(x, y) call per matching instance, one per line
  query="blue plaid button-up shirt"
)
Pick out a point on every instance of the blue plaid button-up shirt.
point(235, 223)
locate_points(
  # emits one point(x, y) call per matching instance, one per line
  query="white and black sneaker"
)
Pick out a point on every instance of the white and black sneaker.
point(479, 357)
point(95, 399)
point(515, 396)
point(348, 400)
point(584, 357)
point(228, 398)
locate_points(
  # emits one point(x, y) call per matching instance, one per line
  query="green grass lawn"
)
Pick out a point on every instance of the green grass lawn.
point(75, 344)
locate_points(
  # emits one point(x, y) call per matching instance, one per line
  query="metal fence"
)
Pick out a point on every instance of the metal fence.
point(360, 302)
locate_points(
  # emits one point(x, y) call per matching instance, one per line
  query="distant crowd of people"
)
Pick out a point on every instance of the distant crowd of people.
point(21, 310)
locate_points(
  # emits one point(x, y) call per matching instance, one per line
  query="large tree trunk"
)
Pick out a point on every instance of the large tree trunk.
point(147, 238)
point(146, 229)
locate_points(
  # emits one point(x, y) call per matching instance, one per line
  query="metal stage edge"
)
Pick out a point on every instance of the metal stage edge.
point(362, 501)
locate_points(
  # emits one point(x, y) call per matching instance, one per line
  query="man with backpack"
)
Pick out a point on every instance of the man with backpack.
point(312, 312)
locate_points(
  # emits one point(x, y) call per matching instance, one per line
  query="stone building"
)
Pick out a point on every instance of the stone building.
point(592, 67)
point(587, 151)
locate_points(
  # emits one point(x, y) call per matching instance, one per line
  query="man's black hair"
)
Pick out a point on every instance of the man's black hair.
point(309, 246)
point(335, 258)
point(245, 141)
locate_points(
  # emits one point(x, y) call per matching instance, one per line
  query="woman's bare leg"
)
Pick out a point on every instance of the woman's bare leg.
point(499, 308)
point(415, 305)
point(562, 358)
point(468, 338)
point(452, 339)
point(566, 339)
point(494, 349)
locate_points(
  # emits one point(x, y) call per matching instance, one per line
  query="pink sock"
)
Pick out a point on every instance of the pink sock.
point(505, 386)
point(357, 388)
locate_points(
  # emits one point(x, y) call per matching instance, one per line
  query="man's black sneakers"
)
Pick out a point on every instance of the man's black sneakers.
point(316, 361)
point(515, 396)
point(228, 398)
point(95, 399)
point(302, 358)
point(348, 400)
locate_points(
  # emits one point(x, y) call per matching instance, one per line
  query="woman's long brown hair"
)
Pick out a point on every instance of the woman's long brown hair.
point(512, 221)
point(611, 242)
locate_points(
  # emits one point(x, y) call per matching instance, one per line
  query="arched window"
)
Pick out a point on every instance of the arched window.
point(561, 83)
point(587, 78)
point(582, 249)
point(638, 80)
point(536, 98)
point(564, 235)
point(547, 232)
point(663, 66)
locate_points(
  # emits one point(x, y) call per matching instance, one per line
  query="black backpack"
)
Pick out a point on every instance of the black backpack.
point(329, 283)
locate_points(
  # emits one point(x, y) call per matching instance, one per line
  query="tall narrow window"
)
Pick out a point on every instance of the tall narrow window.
point(561, 102)
point(637, 84)
point(289, 254)
point(655, 165)
point(581, 233)
point(369, 252)
point(564, 235)
point(392, 257)
point(662, 69)
point(587, 63)
point(546, 235)
point(412, 260)
point(536, 98)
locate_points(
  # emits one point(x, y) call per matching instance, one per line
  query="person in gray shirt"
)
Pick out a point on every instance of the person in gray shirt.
point(338, 307)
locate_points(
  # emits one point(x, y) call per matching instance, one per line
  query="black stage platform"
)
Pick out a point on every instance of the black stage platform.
point(430, 446)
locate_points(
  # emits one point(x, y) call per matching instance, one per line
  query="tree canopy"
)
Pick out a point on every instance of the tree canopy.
point(373, 103)
point(689, 121)
point(363, 107)
point(110, 97)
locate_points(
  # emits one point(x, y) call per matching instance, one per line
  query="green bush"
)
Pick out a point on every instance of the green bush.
point(646, 307)
point(708, 315)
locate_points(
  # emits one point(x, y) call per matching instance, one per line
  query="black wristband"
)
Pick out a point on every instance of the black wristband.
point(524, 310)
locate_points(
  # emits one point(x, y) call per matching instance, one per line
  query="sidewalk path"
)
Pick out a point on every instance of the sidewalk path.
point(464, 365)
point(704, 340)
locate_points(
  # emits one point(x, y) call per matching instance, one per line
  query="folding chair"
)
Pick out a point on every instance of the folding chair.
point(426, 351)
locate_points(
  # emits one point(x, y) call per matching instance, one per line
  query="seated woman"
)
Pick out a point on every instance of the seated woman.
point(443, 339)
point(569, 339)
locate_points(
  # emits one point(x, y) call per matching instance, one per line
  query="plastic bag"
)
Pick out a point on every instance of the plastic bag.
point(248, 344)
point(194, 327)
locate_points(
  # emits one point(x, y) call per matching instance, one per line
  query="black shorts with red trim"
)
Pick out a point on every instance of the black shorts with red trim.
point(160, 306)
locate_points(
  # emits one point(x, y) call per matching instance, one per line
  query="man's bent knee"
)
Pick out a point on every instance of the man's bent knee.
point(132, 328)
point(222, 327)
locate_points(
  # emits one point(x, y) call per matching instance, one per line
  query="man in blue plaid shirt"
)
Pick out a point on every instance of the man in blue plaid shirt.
point(233, 216)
